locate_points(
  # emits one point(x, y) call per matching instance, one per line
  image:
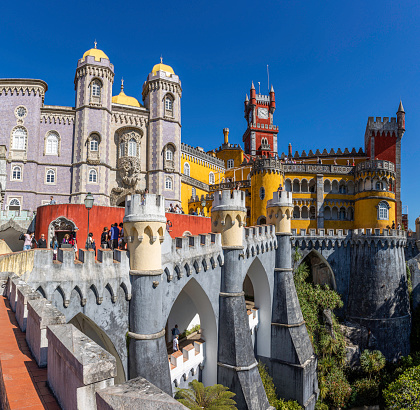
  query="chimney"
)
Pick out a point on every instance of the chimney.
point(226, 134)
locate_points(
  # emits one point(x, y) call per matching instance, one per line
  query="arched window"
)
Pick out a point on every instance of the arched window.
point(379, 186)
point(169, 154)
point(342, 187)
point(312, 185)
point(327, 186)
point(327, 213)
point(17, 173)
point(312, 212)
point(296, 212)
point(288, 185)
point(19, 138)
point(14, 205)
point(168, 183)
point(383, 210)
point(96, 88)
point(193, 192)
point(304, 212)
point(169, 104)
point(230, 163)
point(342, 213)
point(211, 178)
point(51, 144)
point(262, 193)
point(304, 186)
point(296, 185)
point(187, 169)
point(50, 176)
point(94, 145)
point(132, 148)
point(93, 176)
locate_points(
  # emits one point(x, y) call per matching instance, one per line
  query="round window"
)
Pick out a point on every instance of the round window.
point(262, 193)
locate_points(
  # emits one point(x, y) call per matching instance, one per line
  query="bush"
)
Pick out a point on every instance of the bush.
point(404, 393)
point(365, 392)
point(372, 362)
point(338, 389)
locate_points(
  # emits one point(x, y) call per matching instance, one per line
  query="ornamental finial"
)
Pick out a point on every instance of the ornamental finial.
point(161, 59)
point(122, 84)
point(95, 43)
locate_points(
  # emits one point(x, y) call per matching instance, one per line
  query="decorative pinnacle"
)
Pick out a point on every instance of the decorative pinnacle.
point(252, 86)
point(272, 89)
point(95, 43)
point(161, 59)
point(246, 97)
point(400, 107)
point(122, 84)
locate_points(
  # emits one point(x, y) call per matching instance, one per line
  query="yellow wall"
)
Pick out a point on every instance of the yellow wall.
point(366, 213)
point(236, 154)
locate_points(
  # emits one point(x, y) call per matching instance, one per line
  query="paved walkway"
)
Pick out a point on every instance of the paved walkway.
point(24, 382)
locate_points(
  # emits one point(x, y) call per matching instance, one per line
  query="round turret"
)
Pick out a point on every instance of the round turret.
point(280, 211)
point(144, 228)
point(228, 217)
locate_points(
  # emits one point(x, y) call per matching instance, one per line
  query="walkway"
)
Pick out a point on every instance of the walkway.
point(24, 383)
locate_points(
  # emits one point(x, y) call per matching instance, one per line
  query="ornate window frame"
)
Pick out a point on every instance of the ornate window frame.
point(92, 171)
point(383, 211)
point(187, 169)
point(47, 173)
point(12, 178)
point(125, 135)
point(47, 135)
point(93, 156)
point(25, 143)
point(17, 198)
point(169, 183)
point(95, 96)
point(169, 151)
point(169, 102)
point(211, 178)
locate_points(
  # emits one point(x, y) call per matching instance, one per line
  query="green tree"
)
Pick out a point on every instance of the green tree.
point(372, 362)
point(217, 397)
point(404, 393)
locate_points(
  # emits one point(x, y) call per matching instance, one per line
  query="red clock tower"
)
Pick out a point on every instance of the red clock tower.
point(260, 137)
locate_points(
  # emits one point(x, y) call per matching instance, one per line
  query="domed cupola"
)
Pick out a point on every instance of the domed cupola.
point(95, 52)
point(124, 99)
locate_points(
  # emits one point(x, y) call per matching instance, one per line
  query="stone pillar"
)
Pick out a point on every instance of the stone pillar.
point(320, 201)
point(293, 363)
point(144, 225)
point(237, 367)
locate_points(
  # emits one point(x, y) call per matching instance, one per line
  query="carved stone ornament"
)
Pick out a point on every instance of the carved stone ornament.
point(129, 169)
point(118, 194)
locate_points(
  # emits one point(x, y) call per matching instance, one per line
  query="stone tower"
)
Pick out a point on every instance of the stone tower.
point(162, 96)
point(293, 362)
point(93, 84)
point(237, 367)
point(378, 293)
point(144, 224)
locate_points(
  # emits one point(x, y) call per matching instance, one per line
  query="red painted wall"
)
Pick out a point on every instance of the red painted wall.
point(101, 216)
point(385, 148)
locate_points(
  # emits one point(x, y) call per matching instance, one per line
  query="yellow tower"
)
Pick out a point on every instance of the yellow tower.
point(375, 194)
point(280, 211)
point(266, 176)
point(144, 225)
point(228, 217)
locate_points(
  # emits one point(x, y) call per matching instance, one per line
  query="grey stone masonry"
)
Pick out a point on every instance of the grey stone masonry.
point(237, 366)
point(135, 394)
point(24, 294)
point(149, 207)
point(77, 367)
point(15, 283)
point(41, 313)
point(228, 201)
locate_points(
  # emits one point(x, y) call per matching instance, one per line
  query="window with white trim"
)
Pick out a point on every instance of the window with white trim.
point(187, 169)
point(122, 149)
point(132, 148)
point(211, 178)
point(169, 154)
point(383, 211)
point(51, 144)
point(168, 103)
point(50, 176)
point(17, 173)
point(230, 163)
point(96, 88)
point(193, 192)
point(19, 138)
point(93, 176)
point(14, 204)
point(94, 145)
point(168, 183)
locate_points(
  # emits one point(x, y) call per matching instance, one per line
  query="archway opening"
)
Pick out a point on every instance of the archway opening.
point(60, 227)
point(261, 220)
point(258, 304)
point(320, 270)
point(197, 356)
point(93, 331)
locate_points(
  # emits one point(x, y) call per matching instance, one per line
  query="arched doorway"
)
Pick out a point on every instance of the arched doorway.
point(59, 228)
point(93, 331)
point(258, 295)
point(261, 220)
point(320, 270)
point(192, 307)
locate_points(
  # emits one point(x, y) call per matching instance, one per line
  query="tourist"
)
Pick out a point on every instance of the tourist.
point(28, 241)
point(335, 161)
point(175, 331)
point(104, 238)
point(52, 200)
point(42, 243)
point(73, 242)
point(168, 225)
point(115, 234)
point(399, 226)
point(175, 344)
point(348, 162)
point(280, 188)
point(91, 242)
point(121, 241)
point(393, 225)
point(171, 208)
point(54, 245)
point(66, 239)
point(33, 242)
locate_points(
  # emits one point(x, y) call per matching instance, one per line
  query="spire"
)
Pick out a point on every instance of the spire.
point(272, 89)
point(246, 97)
point(252, 86)
point(400, 107)
point(122, 84)
point(95, 43)
point(161, 59)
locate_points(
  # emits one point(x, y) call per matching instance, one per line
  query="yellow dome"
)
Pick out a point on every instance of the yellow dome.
point(123, 99)
point(162, 67)
point(95, 52)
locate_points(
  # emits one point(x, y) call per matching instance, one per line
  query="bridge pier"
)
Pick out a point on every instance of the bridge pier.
point(144, 226)
point(293, 363)
point(236, 366)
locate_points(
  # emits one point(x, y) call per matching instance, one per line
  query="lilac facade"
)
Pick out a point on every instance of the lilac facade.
point(70, 151)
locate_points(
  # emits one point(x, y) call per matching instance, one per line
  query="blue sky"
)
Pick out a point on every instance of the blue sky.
point(332, 63)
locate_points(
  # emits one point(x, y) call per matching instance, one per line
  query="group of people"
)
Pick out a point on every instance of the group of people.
point(175, 209)
point(29, 241)
point(113, 238)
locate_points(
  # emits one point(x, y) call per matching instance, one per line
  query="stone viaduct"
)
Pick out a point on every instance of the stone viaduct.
point(125, 301)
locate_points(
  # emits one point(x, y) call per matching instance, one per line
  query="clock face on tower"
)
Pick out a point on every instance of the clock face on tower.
point(263, 113)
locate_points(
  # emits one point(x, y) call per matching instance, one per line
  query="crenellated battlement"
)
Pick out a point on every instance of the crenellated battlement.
point(350, 232)
point(280, 198)
point(227, 200)
point(385, 123)
point(148, 207)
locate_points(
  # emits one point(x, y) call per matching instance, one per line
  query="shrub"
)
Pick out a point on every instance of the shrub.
point(365, 392)
point(404, 393)
point(338, 388)
point(372, 362)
